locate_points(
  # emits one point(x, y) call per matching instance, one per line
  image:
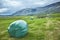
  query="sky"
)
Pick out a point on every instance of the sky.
point(15, 5)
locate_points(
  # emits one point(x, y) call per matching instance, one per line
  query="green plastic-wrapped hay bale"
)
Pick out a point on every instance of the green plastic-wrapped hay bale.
point(18, 28)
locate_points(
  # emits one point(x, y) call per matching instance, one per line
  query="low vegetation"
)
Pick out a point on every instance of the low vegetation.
point(47, 28)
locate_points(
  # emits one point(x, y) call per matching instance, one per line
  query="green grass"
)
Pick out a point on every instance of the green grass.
point(38, 28)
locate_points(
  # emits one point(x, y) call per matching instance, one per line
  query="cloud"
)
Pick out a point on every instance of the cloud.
point(39, 3)
point(3, 10)
point(27, 3)
point(13, 3)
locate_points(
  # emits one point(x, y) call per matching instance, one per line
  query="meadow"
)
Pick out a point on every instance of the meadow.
point(47, 28)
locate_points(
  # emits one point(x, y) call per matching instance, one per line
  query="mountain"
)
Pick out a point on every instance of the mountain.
point(52, 8)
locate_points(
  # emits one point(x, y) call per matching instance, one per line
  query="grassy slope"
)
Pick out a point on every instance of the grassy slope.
point(39, 28)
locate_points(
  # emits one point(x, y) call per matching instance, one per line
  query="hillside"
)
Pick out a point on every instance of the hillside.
point(39, 28)
point(52, 8)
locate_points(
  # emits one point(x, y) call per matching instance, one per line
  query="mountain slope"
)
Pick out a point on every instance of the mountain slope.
point(52, 8)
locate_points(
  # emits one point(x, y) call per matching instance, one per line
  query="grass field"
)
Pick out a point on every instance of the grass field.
point(39, 28)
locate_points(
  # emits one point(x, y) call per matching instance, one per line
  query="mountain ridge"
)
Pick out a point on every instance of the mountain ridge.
point(52, 8)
